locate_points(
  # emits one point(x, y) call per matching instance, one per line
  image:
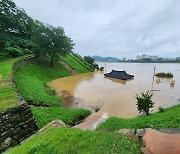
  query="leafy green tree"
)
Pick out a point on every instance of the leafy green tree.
point(51, 41)
point(13, 51)
point(144, 102)
point(60, 44)
point(96, 66)
point(20, 34)
point(15, 27)
point(89, 59)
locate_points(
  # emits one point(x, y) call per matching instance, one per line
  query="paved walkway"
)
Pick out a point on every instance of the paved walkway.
point(92, 123)
point(157, 142)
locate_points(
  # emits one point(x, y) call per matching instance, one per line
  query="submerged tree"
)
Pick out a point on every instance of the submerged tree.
point(144, 102)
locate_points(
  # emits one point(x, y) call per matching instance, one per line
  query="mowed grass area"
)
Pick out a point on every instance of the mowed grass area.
point(8, 96)
point(31, 79)
point(68, 140)
point(75, 64)
point(170, 118)
point(44, 116)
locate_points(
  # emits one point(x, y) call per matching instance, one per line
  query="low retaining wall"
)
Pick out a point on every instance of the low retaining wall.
point(21, 62)
point(16, 123)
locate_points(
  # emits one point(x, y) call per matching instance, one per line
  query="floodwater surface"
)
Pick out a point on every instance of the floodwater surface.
point(117, 97)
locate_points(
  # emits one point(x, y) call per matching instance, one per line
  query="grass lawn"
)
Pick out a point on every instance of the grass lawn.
point(170, 118)
point(68, 140)
point(44, 116)
point(30, 80)
point(7, 93)
point(76, 65)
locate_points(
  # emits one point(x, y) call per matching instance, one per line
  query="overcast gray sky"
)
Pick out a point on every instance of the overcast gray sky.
point(118, 28)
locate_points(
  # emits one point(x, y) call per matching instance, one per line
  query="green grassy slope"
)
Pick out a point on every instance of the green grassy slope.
point(170, 118)
point(30, 80)
point(7, 93)
point(44, 116)
point(75, 64)
point(66, 140)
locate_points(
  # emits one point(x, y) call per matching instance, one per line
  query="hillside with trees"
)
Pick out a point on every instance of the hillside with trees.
point(21, 35)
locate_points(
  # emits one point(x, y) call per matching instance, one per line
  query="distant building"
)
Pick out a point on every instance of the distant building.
point(144, 56)
point(177, 58)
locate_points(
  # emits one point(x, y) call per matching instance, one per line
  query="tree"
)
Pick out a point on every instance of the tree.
point(21, 34)
point(51, 41)
point(40, 39)
point(144, 102)
point(15, 28)
point(89, 59)
point(60, 44)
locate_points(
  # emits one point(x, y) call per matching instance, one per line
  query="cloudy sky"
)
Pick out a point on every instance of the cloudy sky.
point(118, 28)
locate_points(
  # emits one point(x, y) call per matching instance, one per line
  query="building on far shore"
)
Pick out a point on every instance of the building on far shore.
point(177, 58)
point(144, 56)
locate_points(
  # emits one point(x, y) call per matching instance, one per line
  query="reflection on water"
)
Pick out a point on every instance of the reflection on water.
point(118, 80)
point(117, 97)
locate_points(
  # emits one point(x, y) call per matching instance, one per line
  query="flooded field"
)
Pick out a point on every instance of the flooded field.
point(117, 97)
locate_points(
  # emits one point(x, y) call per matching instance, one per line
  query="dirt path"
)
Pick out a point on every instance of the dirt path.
point(73, 72)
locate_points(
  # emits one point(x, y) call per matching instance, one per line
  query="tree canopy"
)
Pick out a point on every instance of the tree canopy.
point(20, 34)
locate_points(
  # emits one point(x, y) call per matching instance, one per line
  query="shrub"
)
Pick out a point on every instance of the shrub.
point(162, 74)
point(101, 69)
point(161, 109)
point(95, 65)
point(144, 102)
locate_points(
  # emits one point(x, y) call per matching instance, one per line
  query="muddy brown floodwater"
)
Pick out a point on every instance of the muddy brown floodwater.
point(117, 97)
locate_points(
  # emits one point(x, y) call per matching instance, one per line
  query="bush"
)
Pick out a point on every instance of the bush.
point(162, 74)
point(89, 59)
point(13, 51)
point(161, 109)
point(144, 102)
point(95, 65)
point(101, 69)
